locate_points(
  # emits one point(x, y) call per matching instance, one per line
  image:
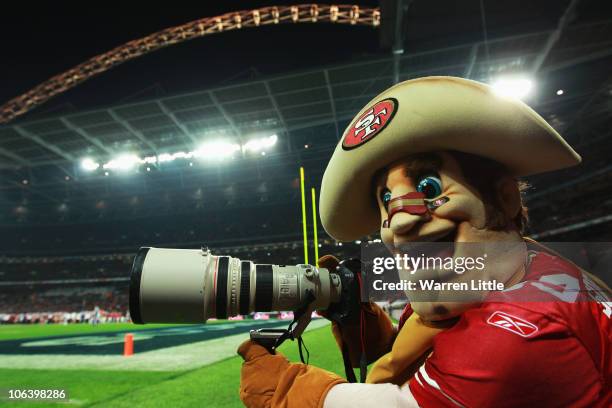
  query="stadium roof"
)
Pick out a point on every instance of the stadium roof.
point(284, 103)
point(40, 158)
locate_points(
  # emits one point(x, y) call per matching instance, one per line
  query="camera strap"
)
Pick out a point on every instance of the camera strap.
point(363, 360)
point(346, 359)
point(301, 318)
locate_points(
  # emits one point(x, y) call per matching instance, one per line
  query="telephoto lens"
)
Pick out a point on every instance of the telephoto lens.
point(192, 285)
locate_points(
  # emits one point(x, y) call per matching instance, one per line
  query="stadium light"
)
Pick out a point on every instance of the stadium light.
point(164, 157)
point(89, 165)
point(168, 157)
point(216, 150)
point(513, 87)
point(256, 145)
point(123, 162)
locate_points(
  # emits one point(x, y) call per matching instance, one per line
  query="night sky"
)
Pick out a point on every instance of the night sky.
point(42, 39)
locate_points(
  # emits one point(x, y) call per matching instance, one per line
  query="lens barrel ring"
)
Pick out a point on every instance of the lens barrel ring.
point(221, 295)
point(234, 279)
point(135, 279)
point(264, 287)
point(245, 287)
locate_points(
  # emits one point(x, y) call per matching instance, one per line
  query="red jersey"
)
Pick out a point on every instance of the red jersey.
point(515, 353)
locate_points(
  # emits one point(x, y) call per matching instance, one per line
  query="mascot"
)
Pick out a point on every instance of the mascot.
point(437, 159)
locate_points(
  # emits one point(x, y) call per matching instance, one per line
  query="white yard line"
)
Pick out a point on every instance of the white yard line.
point(184, 357)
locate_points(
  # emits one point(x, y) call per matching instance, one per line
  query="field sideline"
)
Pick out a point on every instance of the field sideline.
point(26, 331)
point(211, 386)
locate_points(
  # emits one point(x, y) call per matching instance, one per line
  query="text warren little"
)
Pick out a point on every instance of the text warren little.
point(430, 284)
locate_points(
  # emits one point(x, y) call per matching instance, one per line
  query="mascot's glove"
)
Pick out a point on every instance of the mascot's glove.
point(269, 380)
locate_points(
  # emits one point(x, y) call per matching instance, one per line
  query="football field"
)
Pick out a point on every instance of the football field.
point(184, 365)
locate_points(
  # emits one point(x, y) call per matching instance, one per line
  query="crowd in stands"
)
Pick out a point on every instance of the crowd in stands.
point(85, 316)
point(70, 288)
point(36, 269)
point(61, 304)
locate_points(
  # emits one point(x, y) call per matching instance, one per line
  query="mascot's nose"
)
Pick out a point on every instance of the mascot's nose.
point(405, 211)
point(402, 223)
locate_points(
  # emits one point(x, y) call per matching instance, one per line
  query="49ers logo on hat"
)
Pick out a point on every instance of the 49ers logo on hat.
point(370, 123)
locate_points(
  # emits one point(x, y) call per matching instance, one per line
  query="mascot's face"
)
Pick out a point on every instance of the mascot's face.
point(460, 217)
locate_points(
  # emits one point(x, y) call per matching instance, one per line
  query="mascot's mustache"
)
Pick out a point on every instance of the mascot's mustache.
point(413, 203)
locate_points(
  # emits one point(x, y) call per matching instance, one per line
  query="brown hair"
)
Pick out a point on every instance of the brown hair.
point(483, 174)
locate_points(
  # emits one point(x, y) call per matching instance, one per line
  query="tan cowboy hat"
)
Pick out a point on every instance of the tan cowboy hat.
point(431, 114)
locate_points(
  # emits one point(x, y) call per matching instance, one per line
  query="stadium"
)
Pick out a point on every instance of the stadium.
point(211, 127)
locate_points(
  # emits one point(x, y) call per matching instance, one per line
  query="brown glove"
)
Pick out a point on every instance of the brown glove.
point(379, 329)
point(270, 381)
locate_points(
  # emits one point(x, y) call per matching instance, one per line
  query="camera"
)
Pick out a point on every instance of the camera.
point(192, 286)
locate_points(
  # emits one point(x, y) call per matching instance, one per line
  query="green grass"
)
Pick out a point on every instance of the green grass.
point(84, 387)
point(215, 385)
point(24, 331)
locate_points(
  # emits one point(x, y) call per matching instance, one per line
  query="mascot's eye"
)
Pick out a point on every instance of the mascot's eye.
point(431, 186)
point(385, 196)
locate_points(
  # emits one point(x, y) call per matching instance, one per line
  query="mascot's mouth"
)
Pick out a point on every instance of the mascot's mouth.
point(446, 244)
point(435, 245)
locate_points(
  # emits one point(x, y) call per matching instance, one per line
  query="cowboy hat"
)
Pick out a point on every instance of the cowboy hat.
point(427, 115)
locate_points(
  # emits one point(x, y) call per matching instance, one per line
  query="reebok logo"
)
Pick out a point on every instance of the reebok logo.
point(513, 324)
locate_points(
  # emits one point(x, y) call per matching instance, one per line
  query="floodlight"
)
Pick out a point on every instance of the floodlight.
point(123, 162)
point(255, 145)
point(216, 150)
point(89, 165)
point(165, 157)
point(513, 87)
